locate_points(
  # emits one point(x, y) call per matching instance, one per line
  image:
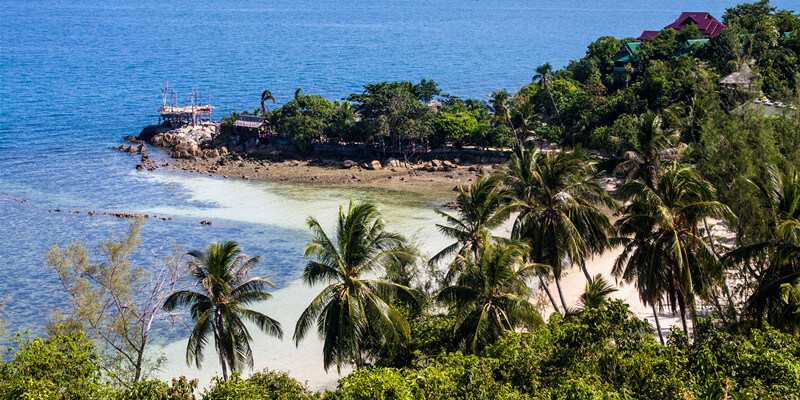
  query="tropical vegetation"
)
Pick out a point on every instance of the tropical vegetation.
point(704, 224)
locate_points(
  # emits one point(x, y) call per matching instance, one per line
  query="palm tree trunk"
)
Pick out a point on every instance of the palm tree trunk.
point(561, 293)
point(555, 107)
point(586, 272)
point(682, 306)
point(218, 342)
point(658, 325)
point(710, 238)
point(550, 295)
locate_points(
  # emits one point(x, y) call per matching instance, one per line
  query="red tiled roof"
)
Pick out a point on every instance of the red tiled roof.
point(706, 23)
point(647, 35)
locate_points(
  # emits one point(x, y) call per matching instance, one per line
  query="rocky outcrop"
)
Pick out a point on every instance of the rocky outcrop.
point(185, 141)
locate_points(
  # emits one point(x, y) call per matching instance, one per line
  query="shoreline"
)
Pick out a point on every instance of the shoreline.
point(192, 149)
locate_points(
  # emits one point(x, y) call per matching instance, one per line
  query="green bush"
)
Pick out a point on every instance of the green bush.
point(454, 127)
point(180, 389)
point(59, 367)
point(265, 385)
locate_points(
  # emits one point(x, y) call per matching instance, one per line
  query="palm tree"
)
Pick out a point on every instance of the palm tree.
point(266, 95)
point(501, 109)
point(345, 117)
point(354, 315)
point(544, 75)
point(479, 209)
point(490, 296)
point(218, 306)
point(664, 256)
point(781, 192)
point(596, 293)
point(652, 151)
point(698, 114)
point(559, 201)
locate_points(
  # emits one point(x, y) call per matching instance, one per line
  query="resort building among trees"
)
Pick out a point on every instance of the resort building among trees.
point(625, 56)
point(705, 22)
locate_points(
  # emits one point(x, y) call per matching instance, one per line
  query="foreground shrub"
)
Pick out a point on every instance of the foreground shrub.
point(59, 367)
point(265, 385)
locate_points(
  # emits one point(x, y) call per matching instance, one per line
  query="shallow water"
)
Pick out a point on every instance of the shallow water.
point(76, 76)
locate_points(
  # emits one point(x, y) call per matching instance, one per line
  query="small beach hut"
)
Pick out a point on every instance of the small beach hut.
point(248, 126)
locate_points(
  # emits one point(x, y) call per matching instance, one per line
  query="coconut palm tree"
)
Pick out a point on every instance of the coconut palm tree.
point(652, 152)
point(490, 296)
point(500, 104)
point(544, 75)
point(266, 95)
point(354, 315)
point(596, 293)
point(344, 118)
point(781, 192)
point(664, 256)
point(559, 203)
point(218, 306)
point(478, 210)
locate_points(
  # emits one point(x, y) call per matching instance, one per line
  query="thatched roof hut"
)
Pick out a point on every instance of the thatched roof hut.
point(741, 79)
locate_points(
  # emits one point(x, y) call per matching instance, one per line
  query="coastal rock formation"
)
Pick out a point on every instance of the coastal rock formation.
point(185, 141)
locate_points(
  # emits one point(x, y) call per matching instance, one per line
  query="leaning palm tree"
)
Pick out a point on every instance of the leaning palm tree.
point(491, 296)
point(544, 75)
point(559, 203)
point(478, 210)
point(664, 255)
point(266, 95)
point(653, 151)
point(354, 315)
point(218, 306)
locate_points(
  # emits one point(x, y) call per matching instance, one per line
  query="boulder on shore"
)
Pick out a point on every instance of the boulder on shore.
point(349, 164)
point(375, 165)
point(393, 163)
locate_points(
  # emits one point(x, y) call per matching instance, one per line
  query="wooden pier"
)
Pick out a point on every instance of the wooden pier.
point(194, 111)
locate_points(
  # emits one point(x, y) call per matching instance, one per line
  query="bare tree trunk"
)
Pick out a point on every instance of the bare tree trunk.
point(140, 360)
point(561, 293)
point(658, 325)
point(550, 295)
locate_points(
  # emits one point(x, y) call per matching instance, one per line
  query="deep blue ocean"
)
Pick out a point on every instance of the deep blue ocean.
point(77, 76)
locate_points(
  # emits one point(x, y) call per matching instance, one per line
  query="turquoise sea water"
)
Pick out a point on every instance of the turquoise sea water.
point(77, 76)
